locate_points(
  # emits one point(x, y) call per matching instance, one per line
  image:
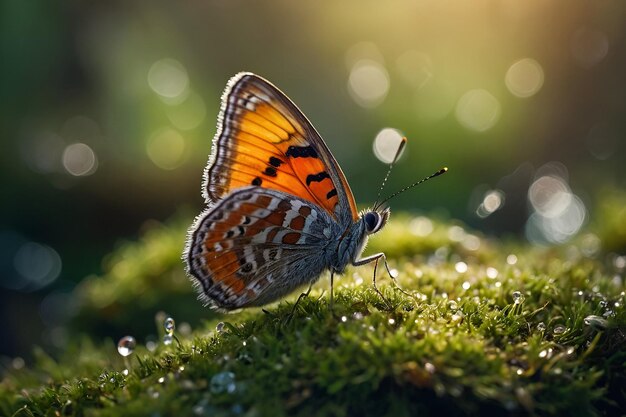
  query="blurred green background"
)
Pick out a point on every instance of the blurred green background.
point(108, 110)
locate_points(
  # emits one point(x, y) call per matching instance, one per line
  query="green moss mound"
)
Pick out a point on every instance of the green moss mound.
point(481, 326)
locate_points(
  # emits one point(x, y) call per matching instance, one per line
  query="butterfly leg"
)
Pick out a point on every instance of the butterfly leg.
point(302, 295)
point(376, 258)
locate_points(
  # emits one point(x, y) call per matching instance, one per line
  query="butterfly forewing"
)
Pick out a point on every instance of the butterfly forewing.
point(255, 246)
point(264, 140)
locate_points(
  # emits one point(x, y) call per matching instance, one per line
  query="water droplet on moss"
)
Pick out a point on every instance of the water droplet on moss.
point(169, 325)
point(596, 322)
point(452, 305)
point(559, 329)
point(167, 339)
point(518, 297)
point(126, 345)
point(541, 326)
point(220, 327)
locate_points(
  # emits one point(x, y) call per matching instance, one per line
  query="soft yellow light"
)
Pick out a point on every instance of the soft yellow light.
point(478, 110)
point(368, 83)
point(166, 149)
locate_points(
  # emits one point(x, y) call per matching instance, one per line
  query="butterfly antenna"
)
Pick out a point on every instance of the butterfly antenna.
point(393, 161)
point(408, 187)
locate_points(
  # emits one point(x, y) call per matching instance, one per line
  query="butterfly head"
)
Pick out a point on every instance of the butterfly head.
point(374, 220)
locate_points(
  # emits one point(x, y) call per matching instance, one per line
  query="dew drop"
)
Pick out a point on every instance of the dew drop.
point(169, 325)
point(358, 316)
point(344, 319)
point(541, 326)
point(125, 372)
point(559, 329)
point(603, 304)
point(518, 297)
point(466, 285)
point(161, 380)
point(126, 345)
point(220, 327)
point(460, 267)
point(167, 339)
point(391, 321)
point(452, 305)
point(596, 322)
point(224, 382)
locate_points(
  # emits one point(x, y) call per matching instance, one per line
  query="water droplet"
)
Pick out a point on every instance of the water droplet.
point(559, 329)
point(520, 371)
point(460, 267)
point(223, 382)
point(603, 304)
point(511, 259)
point(518, 297)
point(608, 313)
point(570, 350)
point(541, 326)
point(344, 319)
point(543, 353)
point(151, 345)
point(167, 339)
point(220, 327)
point(392, 321)
point(466, 285)
point(169, 325)
point(596, 322)
point(452, 305)
point(161, 380)
point(126, 345)
point(358, 316)
point(125, 372)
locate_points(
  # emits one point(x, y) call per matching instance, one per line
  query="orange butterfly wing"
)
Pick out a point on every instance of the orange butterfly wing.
point(263, 139)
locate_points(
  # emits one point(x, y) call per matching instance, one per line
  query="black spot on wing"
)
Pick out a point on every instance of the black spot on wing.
point(301, 152)
point(257, 181)
point(270, 171)
point(316, 177)
point(275, 162)
point(331, 193)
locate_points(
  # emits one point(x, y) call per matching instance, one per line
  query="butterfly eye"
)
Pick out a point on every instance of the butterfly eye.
point(372, 220)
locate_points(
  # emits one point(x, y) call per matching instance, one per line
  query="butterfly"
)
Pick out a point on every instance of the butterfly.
point(280, 211)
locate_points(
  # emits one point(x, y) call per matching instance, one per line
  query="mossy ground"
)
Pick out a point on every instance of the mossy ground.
point(486, 327)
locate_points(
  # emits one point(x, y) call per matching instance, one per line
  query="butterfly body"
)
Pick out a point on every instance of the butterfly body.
point(280, 211)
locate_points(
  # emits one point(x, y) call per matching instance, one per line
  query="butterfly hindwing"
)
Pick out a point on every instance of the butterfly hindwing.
point(264, 140)
point(256, 245)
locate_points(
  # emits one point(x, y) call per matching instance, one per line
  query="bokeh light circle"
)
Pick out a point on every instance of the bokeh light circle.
point(478, 110)
point(166, 149)
point(386, 144)
point(168, 78)
point(38, 265)
point(368, 83)
point(524, 78)
point(80, 160)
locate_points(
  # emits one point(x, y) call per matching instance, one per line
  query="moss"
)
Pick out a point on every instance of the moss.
point(474, 332)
